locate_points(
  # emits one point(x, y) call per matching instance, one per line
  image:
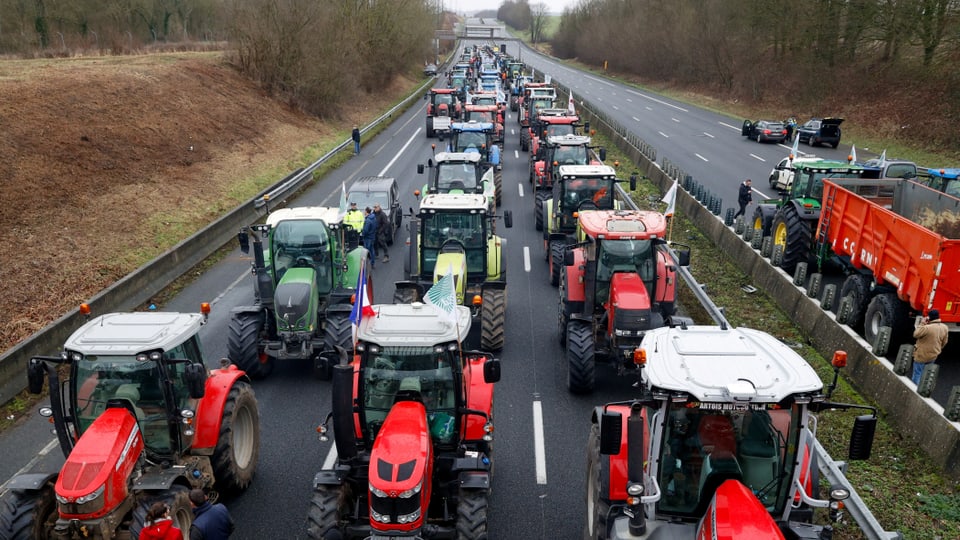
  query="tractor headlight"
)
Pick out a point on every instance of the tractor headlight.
point(92, 496)
point(377, 516)
point(409, 518)
point(86, 504)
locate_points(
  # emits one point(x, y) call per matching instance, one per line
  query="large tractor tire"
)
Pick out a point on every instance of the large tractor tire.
point(328, 508)
point(238, 446)
point(524, 140)
point(177, 498)
point(338, 332)
point(582, 368)
point(405, 296)
point(795, 234)
point(563, 309)
point(856, 288)
point(492, 315)
point(472, 514)
point(28, 514)
point(538, 198)
point(556, 261)
point(597, 505)
point(498, 185)
point(243, 343)
point(886, 310)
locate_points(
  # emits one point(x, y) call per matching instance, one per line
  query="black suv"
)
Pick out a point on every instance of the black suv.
point(764, 131)
point(369, 190)
point(820, 131)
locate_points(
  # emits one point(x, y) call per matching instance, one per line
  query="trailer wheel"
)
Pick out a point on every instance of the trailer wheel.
point(581, 363)
point(243, 343)
point(556, 261)
point(28, 514)
point(238, 446)
point(885, 310)
point(492, 314)
point(328, 506)
point(563, 310)
point(597, 506)
point(856, 291)
point(472, 515)
point(177, 498)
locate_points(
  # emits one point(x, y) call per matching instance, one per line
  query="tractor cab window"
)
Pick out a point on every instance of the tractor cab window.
point(570, 155)
point(481, 116)
point(585, 191)
point(423, 374)
point(559, 130)
point(443, 99)
point(636, 256)
point(471, 141)
point(458, 228)
point(701, 448)
point(303, 244)
point(453, 176)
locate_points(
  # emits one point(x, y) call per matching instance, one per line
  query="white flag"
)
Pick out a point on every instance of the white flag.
point(794, 152)
point(570, 104)
point(671, 199)
point(883, 158)
point(443, 296)
point(853, 153)
point(343, 202)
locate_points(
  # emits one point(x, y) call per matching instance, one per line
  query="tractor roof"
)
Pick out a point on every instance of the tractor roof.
point(130, 333)
point(472, 126)
point(713, 364)
point(373, 183)
point(569, 140)
point(482, 108)
point(454, 201)
point(412, 325)
point(622, 224)
point(326, 214)
point(444, 90)
point(583, 171)
point(456, 157)
point(827, 165)
point(944, 173)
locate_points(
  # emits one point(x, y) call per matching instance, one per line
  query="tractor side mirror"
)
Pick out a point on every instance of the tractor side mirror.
point(586, 127)
point(425, 96)
point(508, 218)
point(568, 257)
point(633, 182)
point(244, 239)
point(419, 168)
point(683, 257)
point(491, 370)
point(35, 374)
point(195, 377)
point(611, 430)
point(861, 440)
point(603, 154)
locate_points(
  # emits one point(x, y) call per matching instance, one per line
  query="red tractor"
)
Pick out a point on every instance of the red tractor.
point(413, 424)
point(140, 420)
point(615, 285)
point(720, 443)
point(443, 107)
point(486, 113)
point(550, 123)
point(553, 153)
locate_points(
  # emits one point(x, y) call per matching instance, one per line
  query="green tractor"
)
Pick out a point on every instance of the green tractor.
point(305, 281)
point(455, 233)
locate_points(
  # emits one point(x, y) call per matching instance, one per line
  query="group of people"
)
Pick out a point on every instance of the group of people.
point(373, 226)
point(210, 521)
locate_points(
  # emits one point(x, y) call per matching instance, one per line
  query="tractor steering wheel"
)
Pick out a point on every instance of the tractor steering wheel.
point(452, 245)
point(303, 262)
point(587, 204)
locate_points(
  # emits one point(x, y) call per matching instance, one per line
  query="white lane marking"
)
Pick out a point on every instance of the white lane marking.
point(655, 100)
point(400, 153)
point(520, 188)
point(724, 124)
point(754, 156)
point(526, 259)
point(635, 118)
point(664, 134)
point(616, 108)
point(701, 157)
point(26, 468)
point(709, 135)
point(675, 120)
point(629, 100)
point(539, 450)
point(648, 108)
point(516, 154)
point(331, 458)
point(601, 81)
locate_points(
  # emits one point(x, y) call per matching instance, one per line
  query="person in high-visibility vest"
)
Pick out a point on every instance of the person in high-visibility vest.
point(354, 219)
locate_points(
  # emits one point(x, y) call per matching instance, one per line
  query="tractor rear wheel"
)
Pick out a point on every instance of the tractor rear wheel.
point(471, 514)
point(328, 506)
point(238, 446)
point(498, 185)
point(538, 198)
point(177, 498)
point(597, 506)
point(581, 372)
point(28, 514)
point(243, 343)
point(795, 235)
point(857, 288)
point(886, 310)
point(556, 261)
point(492, 313)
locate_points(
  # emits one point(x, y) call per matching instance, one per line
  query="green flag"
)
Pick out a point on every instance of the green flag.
point(443, 297)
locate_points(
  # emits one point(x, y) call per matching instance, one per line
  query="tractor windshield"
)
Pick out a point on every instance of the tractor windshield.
point(481, 116)
point(808, 183)
point(558, 130)
point(636, 256)
point(445, 230)
point(303, 243)
point(470, 141)
point(423, 374)
point(443, 99)
point(570, 155)
point(703, 447)
point(581, 193)
point(451, 176)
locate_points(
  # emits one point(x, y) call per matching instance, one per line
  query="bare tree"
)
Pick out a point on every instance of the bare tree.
point(538, 20)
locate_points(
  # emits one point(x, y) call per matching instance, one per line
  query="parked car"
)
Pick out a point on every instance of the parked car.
point(820, 131)
point(430, 70)
point(368, 190)
point(764, 131)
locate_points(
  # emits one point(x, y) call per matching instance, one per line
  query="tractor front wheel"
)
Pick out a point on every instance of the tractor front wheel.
point(238, 446)
point(337, 331)
point(597, 506)
point(243, 343)
point(176, 498)
point(581, 372)
point(472, 514)
point(28, 514)
point(327, 509)
point(556, 261)
point(492, 313)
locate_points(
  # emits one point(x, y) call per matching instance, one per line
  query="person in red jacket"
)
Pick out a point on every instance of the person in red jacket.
point(159, 525)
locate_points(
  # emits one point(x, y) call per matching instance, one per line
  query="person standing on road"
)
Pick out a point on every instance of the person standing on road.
point(356, 140)
point(369, 235)
point(383, 232)
point(931, 336)
point(158, 525)
point(210, 521)
point(354, 219)
point(744, 198)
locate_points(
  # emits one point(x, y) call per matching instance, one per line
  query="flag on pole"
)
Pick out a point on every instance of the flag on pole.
point(443, 296)
point(361, 306)
point(853, 153)
point(570, 104)
point(795, 150)
point(671, 199)
point(343, 202)
point(883, 158)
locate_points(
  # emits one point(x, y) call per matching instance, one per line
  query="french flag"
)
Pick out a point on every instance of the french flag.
point(361, 306)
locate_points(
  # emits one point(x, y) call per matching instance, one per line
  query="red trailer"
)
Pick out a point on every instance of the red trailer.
point(901, 253)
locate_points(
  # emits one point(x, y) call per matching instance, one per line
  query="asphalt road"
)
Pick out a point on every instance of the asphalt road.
point(541, 429)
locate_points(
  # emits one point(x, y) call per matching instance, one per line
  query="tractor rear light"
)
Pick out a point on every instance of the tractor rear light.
point(477, 300)
point(85, 309)
point(353, 298)
point(839, 359)
point(639, 356)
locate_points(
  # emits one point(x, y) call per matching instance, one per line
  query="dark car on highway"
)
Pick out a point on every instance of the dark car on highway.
point(370, 190)
point(430, 70)
point(764, 131)
point(820, 131)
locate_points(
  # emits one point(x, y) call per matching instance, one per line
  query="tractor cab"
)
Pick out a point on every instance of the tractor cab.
point(808, 179)
point(581, 187)
point(475, 137)
point(443, 102)
point(944, 180)
point(459, 173)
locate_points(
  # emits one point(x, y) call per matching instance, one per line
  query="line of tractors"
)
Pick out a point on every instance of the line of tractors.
point(718, 443)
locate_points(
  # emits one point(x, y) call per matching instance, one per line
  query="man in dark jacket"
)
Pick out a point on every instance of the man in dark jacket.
point(369, 235)
point(210, 521)
point(355, 135)
point(744, 198)
point(383, 232)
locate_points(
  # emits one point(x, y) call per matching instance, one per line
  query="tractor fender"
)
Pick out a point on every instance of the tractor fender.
point(345, 308)
point(574, 288)
point(210, 408)
point(548, 215)
point(496, 262)
point(617, 469)
point(806, 213)
point(495, 155)
point(162, 479)
point(258, 308)
point(31, 481)
point(666, 289)
point(479, 396)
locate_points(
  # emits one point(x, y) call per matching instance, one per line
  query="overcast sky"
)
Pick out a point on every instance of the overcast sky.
point(461, 6)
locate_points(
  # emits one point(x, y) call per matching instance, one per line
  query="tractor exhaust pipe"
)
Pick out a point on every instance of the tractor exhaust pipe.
point(344, 436)
point(635, 444)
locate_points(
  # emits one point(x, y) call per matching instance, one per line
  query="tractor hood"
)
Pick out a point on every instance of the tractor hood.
point(94, 477)
point(295, 300)
point(735, 514)
point(627, 291)
point(456, 263)
point(400, 468)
